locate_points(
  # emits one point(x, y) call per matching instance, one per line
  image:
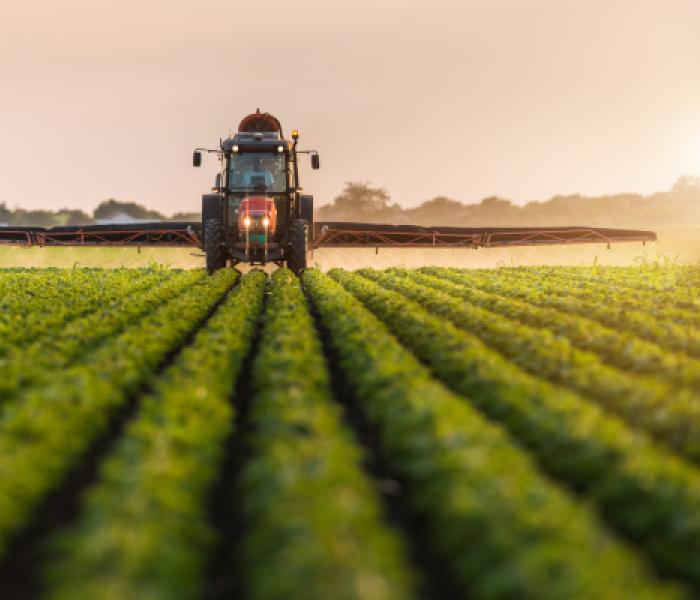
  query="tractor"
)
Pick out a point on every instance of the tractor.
point(256, 213)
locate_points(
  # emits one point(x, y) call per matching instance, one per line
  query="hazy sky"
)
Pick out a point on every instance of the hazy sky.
point(520, 98)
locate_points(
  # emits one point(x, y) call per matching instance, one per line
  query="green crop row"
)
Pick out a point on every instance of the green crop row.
point(501, 528)
point(36, 363)
point(671, 415)
point(43, 288)
point(671, 282)
point(143, 530)
point(19, 288)
point(679, 338)
point(661, 306)
point(39, 307)
point(677, 304)
point(313, 522)
point(644, 490)
point(50, 430)
point(674, 298)
point(618, 348)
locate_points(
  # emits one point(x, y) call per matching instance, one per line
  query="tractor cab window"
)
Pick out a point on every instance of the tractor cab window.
point(248, 172)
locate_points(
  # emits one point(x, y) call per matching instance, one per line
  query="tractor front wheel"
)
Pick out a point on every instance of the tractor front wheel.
point(298, 249)
point(214, 245)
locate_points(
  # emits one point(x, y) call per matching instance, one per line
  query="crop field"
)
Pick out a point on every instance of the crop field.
point(512, 433)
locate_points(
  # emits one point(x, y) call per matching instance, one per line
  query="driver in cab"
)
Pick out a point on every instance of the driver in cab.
point(257, 175)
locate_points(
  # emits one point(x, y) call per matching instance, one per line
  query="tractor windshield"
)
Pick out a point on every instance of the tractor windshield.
point(252, 171)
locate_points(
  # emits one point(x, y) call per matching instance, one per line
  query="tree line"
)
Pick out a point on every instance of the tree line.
point(676, 208)
point(105, 211)
point(360, 201)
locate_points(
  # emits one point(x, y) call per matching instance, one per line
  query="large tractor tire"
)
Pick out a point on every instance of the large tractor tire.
point(214, 245)
point(299, 242)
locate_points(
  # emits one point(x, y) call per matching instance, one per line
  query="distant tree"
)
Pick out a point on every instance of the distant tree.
point(362, 197)
point(110, 208)
point(685, 184)
point(5, 213)
point(34, 218)
point(437, 211)
point(496, 203)
point(361, 201)
point(186, 216)
point(442, 203)
point(67, 216)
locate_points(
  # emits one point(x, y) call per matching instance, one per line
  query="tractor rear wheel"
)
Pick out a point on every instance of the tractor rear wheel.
point(214, 245)
point(299, 241)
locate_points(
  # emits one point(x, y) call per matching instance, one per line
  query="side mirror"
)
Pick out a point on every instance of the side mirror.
point(315, 161)
point(197, 159)
point(217, 181)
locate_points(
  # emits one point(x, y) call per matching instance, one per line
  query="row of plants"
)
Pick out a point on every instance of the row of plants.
point(644, 490)
point(652, 278)
point(675, 337)
point(672, 415)
point(619, 348)
point(20, 290)
point(500, 527)
point(51, 429)
point(622, 289)
point(670, 305)
point(313, 521)
point(40, 283)
point(143, 530)
point(35, 364)
point(38, 307)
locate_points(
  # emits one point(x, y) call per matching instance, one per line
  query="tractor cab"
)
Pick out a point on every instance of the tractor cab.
point(256, 213)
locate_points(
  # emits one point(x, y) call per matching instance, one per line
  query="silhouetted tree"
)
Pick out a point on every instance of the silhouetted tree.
point(687, 184)
point(359, 201)
point(34, 218)
point(67, 216)
point(186, 216)
point(5, 213)
point(110, 208)
point(438, 211)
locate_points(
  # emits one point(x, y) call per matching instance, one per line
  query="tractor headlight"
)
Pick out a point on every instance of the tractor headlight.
point(280, 149)
point(246, 222)
point(266, 222)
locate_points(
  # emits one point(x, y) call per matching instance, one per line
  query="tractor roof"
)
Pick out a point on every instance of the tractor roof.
point(257, 132)
point(255, 142)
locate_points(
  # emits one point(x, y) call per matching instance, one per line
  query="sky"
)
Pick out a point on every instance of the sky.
point(519, 98)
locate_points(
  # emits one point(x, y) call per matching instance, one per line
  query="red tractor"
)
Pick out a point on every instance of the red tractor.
point(256, 213)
